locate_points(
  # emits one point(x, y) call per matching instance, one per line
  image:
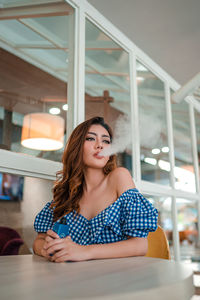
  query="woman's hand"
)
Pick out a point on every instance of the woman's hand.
point(50, 236)
point(64, 249)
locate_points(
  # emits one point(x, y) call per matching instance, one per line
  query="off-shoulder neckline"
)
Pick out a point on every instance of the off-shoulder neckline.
point(90, 220)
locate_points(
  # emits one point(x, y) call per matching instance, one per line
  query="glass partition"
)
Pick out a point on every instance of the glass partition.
point(154, 147)
point(163, 205)
point(186, 221)
point(34, 69)
point(187, 227)
point(184, 169)
point(107, 88)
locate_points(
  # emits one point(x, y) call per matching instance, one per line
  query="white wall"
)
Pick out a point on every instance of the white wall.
point(37, 192)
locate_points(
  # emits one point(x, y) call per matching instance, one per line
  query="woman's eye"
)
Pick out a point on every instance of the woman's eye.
point(106, 142)
point(89, 139)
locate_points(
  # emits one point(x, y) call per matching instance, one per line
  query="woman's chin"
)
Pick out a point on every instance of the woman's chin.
point(96, 165)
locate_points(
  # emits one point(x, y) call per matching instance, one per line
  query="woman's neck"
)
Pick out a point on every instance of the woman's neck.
point(93, 178)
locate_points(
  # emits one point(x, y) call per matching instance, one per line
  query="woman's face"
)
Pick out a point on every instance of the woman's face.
point(96, 140)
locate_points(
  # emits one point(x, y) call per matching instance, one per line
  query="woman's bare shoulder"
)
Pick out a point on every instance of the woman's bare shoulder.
point(121, 179)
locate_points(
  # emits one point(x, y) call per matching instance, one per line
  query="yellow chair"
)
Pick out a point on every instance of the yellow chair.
point(158, 244)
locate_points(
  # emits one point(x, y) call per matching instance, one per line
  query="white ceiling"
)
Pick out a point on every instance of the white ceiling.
point(166, 30)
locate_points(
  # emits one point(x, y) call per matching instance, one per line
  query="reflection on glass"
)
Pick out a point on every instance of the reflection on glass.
point(163, 205)
point(197, 123)
point(154, 148)
point(107, 87)
point(187, 226)
point(33, 74)
point(187, 222)
point(184, 170)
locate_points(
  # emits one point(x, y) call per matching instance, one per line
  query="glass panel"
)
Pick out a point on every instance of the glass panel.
point(163, 205)
point(187, 227)
point(184, 169)
point(34, 66)
point(19, 204)
point(154, 148)
point(107, 88)
point(197, 123)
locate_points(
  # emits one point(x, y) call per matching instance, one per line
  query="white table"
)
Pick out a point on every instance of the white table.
point(30, 277)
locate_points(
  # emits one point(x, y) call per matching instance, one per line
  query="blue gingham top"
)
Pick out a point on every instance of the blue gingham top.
point(130, 215)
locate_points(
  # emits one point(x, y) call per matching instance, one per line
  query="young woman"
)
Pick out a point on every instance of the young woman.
point(106, 214)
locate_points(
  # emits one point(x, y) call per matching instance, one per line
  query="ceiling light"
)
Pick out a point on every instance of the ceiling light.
point(151, 161)
point(54, 110)
point(164, 165)
point(155, 151)
point(139, 79)
point(42, 131)
point(165, 149)
point(65, 107)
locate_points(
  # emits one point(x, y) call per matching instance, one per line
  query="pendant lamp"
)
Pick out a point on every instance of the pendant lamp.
point(43, 131)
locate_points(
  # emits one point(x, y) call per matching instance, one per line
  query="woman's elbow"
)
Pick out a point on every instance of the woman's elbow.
point(34, 246)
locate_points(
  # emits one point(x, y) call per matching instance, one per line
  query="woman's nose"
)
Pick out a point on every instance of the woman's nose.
point(99, 145)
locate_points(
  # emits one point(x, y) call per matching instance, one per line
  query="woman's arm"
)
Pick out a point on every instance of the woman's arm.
point(134, 246)
point(67, 250)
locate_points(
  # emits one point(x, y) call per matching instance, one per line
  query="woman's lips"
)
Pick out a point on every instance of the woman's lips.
point(96, 155)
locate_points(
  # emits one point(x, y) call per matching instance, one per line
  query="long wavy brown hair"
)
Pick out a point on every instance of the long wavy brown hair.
point(68, 187)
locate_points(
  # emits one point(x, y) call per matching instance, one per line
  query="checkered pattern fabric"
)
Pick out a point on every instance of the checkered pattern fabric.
point(130, 215)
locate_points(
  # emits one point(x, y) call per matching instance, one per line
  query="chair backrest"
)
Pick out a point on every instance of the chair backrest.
point(10, 241)
point(158, 246)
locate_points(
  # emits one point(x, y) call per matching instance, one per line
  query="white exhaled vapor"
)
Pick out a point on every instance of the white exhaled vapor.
point(150, 133)
point(122, 136)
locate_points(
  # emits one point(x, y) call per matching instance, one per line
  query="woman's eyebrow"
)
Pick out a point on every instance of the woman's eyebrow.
point(103, 135)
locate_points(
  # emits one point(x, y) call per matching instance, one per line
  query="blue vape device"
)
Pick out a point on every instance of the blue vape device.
point(61, 228)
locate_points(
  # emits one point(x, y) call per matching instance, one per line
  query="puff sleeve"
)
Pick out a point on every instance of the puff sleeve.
point(44, 220)
point(139, 215)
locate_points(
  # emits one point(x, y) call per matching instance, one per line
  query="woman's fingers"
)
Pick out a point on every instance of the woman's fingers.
point(59, 254)
point(51, 243)
point(52, 234)
point(55, 247)
point(48, 239)
point(63, 258)
point(44, 253)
